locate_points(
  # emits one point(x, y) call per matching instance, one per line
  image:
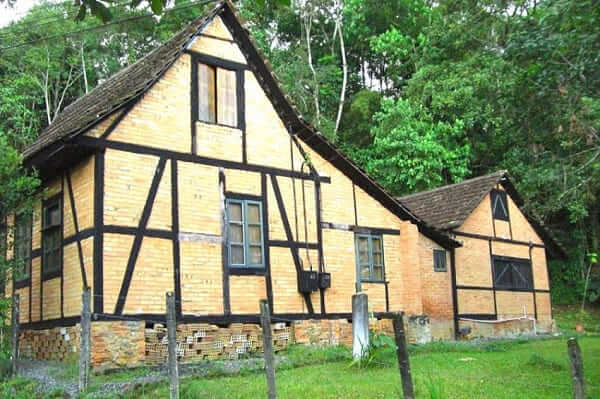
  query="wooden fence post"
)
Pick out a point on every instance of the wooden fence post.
point(15, 332)
point(265, 322)
point(172, 346)
point(576, 366)
point(360, 325)
point(402, 353)
point(84, 351)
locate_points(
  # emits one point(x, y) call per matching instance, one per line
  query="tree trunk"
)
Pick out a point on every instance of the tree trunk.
point(339, 26)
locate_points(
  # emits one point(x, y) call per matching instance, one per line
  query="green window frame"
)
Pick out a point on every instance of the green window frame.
point(52, 238)
point(245, 235)
point(369, 258)
point(22, 247)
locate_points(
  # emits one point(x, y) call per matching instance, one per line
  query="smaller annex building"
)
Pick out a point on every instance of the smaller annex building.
point(500, 281)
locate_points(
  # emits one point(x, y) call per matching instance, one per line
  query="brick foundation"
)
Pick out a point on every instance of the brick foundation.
point(129, 343)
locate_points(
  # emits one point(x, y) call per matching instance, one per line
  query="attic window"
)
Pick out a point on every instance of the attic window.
point(499, 205)
point(217, 102)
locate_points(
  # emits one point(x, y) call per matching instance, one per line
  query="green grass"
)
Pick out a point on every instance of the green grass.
point(496, 369)
point(567, 316)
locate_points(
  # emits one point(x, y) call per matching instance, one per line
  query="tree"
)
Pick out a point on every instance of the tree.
point(411, 151)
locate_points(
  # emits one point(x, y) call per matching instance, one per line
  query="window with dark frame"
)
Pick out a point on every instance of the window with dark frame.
point(369, 259)
point(499, 205)
point(512, 273)
point(439, 260)
point(51, 238)
point(245, 236)
point(217, 95)
point(22, 247)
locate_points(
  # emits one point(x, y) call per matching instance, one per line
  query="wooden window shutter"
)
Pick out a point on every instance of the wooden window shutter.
point(226, 98)
point(206, 94)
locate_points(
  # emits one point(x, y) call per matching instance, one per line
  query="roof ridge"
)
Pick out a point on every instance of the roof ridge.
point(500, 173)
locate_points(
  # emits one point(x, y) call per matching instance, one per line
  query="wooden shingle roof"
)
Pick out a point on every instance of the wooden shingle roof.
point(449, 206)
point(117, 90)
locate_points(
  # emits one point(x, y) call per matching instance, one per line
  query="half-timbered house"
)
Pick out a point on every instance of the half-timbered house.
point(191, 172)
point(500, 272)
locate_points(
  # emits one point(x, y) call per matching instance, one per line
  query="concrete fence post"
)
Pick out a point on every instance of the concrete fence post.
point(265, 323)
point(360, 325)
point(576, 366)
point(172, 347)
point(84, 351)
point(15, 332)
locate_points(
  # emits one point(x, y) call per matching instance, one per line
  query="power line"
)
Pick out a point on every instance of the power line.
point(26, 26)
point(103, 26)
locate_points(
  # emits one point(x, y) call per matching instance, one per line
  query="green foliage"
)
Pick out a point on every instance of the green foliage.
point(411, 151)
point(376, 354)
point(357, 119)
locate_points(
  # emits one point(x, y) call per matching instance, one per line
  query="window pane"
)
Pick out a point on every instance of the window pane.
point(377, 259)
point(206, 93)
point(378, 272)
point(236, 233)
point(365, 272)
point(254, 235)
point(363, 244)
point(54, 216)
point(376, 244)
point(253, 213)
point(363, 258)
point(255, 255)
point(237, 255)
point(226, 97)
point(235, 211)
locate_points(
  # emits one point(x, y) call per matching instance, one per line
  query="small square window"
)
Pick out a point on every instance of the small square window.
point(499, 205)
point(439, 260)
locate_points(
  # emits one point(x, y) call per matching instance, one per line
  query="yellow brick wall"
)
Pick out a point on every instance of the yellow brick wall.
point(475, 301)
point(116, 254)
point(436, 287)
point(544, 307)
point(201, 278)
point(473, 264)
point(51, 297)
point(152, 277)
point(127, 180)
point(514, 304)
point(35, 288)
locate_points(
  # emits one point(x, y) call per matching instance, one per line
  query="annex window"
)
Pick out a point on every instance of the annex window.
point(22, 247)
point(499, 205)
point(217, 99)
point(369, 251)
point(512, 273)
point(245, 240)
point(439, 260)
point(52, 238)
